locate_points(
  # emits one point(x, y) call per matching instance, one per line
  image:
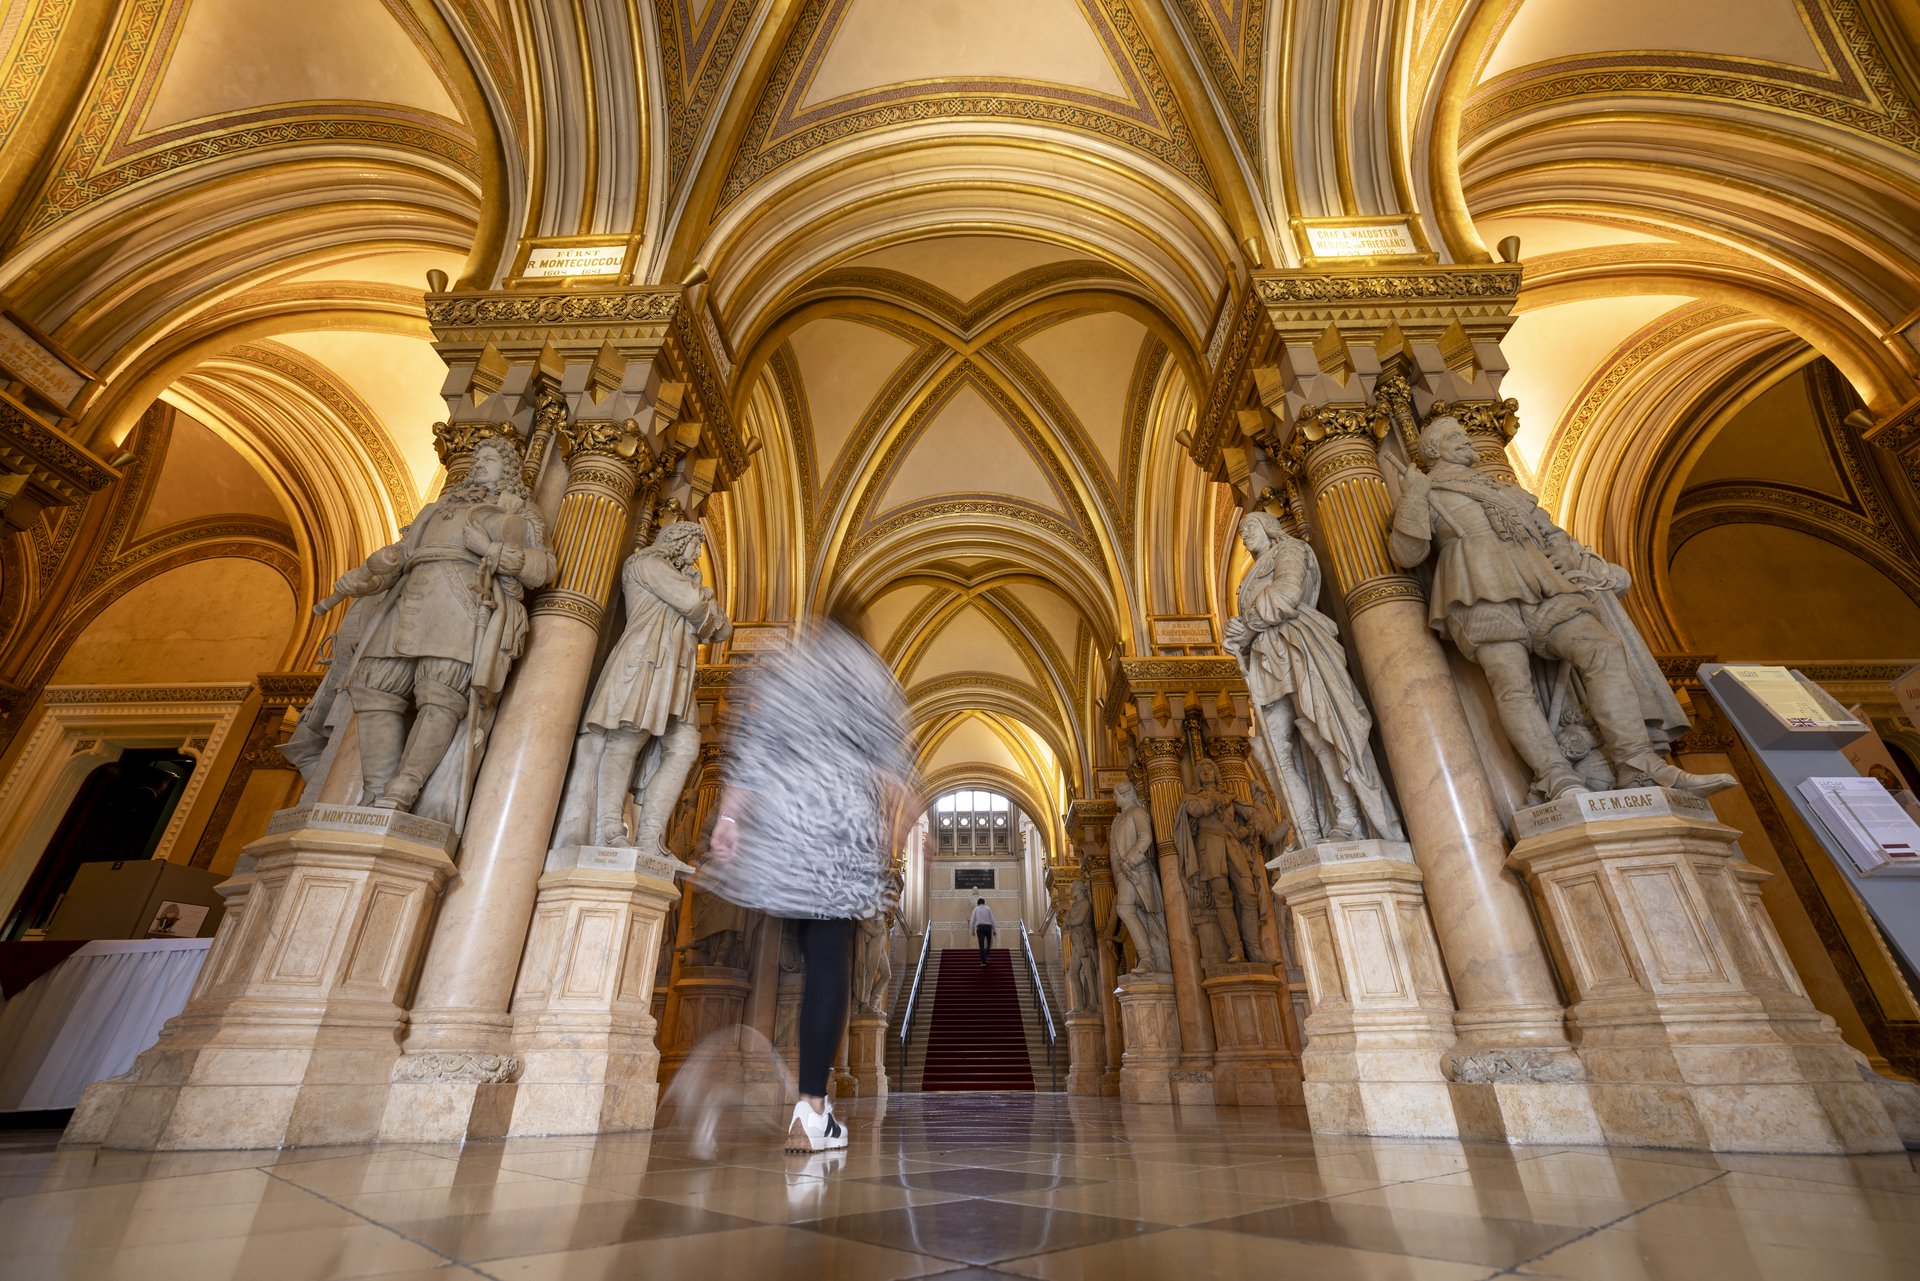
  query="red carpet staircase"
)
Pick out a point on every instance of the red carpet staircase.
point(977, 1039)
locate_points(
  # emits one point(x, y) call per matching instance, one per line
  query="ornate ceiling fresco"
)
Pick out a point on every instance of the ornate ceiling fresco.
point(970, 268)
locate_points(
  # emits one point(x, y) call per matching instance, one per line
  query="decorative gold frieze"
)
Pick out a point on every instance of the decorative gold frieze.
point(497, 310)
point(1498, 282)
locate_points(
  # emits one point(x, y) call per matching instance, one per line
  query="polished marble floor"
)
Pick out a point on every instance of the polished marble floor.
point(963, 1187)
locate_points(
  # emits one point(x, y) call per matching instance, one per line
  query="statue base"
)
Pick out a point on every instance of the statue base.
point(709, 1000)
point(1693, 1027)
point(1086, 1053)
point(1252, 1066)
point(1382, 1013)
point(295, 1020)
point(867, 1055)
point(584, 1059)
point(1152, 1023)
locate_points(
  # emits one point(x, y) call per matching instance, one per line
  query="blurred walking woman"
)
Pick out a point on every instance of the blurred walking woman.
point(815, 774)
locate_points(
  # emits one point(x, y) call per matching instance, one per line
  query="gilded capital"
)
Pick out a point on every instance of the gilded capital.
point(1341, 422)
point(1499, 419)
point(453, 442)
point(620, 439)
point(1227, 746)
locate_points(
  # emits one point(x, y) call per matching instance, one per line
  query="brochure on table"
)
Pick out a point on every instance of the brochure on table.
point(1797, 732)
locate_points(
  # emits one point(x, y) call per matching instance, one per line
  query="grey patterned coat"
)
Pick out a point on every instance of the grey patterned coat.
point(816, 763)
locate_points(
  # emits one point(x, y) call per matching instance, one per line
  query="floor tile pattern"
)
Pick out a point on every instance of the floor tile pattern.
point(962, 1187)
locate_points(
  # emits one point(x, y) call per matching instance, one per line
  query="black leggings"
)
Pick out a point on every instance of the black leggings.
point(823, 1001)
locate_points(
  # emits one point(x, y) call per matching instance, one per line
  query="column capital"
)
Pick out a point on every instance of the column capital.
point(639, 362)
point(1221, 746)
point(454, 443)
point(1329, 335)
point(616, 438)
point(1160, 691)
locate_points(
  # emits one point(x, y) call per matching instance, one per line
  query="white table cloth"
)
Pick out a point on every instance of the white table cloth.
point(88, 1017)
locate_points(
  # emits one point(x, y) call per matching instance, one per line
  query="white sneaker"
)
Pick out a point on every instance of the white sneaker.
point(811, 1131)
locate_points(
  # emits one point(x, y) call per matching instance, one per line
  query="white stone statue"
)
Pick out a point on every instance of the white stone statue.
point(1137, 902)
point(437, 622)
point(872, 966)
point(1510, 586)
point(1214, 859)
point(643, 701)
point(1083, 960)
point(1312, 722)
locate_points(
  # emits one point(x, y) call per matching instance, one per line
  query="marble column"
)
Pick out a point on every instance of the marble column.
point(459, 1052)
point(1193, 1081)
point(1509, 1009)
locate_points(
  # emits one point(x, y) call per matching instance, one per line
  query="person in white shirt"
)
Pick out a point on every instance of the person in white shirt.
point(983, 927)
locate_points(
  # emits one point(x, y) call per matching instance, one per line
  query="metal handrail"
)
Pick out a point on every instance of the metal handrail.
point(913, 999)
point(1046, 1012)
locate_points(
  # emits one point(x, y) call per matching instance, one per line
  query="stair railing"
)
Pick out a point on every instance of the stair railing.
point(913, 1000)
point(1040, 1000)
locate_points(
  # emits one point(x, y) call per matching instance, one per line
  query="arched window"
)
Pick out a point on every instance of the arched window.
point(973, 822)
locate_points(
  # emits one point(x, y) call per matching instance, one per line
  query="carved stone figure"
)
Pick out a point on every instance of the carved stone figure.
point(1509, 586)
point(1216, 864)
point(1083, 963)
point(1313, 723)
point(437, 623)
point(641, 715)
point(719, 932)
point(1268, 826)
point(1137, 903)
point(872, 967)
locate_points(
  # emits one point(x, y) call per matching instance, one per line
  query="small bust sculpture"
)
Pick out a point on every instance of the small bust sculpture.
point(641, 715)
point(1137, 902)
point(1083, 963)
point(1312, 721)
point(436, 625)
point(1510, 587)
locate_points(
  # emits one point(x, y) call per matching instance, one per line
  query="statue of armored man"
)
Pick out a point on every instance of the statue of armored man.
point(641, 716)
point(1312, 722)
point(437, 622)
point(1511, 587)
point(1218, 867)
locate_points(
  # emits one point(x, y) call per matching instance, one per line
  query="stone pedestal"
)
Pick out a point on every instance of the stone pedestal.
point(1152, 1022)
point(1690, 1021)
point(296, 1019)
point(1252, 1066)
point(711, 999)
point(1382, 1015)
point(867, 1055)
point(583, 1056)
point(1086, 1053)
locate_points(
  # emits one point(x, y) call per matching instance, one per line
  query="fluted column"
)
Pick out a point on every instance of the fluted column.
point(1165, 790)
point(465, 987)
point(1501, 979)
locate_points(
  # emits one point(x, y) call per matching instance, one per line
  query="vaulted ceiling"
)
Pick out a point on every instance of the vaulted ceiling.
point(970, 262)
